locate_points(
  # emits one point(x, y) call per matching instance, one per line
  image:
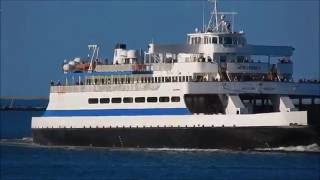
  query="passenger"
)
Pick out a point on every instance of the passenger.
point(58, 84)
point(51, 83)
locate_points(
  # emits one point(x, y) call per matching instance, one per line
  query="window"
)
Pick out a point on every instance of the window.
point(163, 99)
point(227, 40)
point(175, 99)
point(116, 100)
point(193, 40)
point(235, 40)
point(223, 59)
point(140, 99)
point(152, 99)
point(214, 40)
point(198, 40)
point(220, 40)
point(174, 79)
point(104, 100)
point(128, 100)
point(93, 100)
point(240, 59)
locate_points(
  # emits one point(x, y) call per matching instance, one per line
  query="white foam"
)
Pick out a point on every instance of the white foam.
point(183, 149)
point(309, 148)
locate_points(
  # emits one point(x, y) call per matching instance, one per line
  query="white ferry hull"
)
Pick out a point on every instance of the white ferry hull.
point(176, 131)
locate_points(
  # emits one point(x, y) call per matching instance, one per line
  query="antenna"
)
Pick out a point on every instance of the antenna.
point(216, 14)
point(203, 26)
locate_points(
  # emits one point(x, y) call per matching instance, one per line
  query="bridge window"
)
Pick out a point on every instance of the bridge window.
point(140, 99)
point(104, 100)
point(227, 40)
point(163, 99)
point(175, 99)
point(205, 40)
point(193, 40)
point(214, 40)
point(235, 40)
point(152, 99)
point(220, 40)
point(93, 100)
point(116, 100)
point(128, 100)
point(198, 40)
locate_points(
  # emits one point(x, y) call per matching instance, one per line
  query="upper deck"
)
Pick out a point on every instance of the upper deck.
point(217, 55)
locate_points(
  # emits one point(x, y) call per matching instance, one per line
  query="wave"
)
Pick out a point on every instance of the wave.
point(308, 148)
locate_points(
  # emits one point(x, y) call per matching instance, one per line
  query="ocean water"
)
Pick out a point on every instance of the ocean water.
point(21, 159)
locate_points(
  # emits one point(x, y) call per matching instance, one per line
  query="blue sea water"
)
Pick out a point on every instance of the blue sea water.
point(21, 159)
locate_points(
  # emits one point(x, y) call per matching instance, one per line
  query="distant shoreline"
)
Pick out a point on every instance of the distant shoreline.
point(22, 108)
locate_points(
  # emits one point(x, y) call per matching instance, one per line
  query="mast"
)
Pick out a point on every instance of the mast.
point(224, 24)
point(216, 14)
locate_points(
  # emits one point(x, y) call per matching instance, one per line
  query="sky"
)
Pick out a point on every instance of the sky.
point(36, 36)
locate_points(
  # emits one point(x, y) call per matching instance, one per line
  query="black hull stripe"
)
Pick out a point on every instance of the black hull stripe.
point(213, 138)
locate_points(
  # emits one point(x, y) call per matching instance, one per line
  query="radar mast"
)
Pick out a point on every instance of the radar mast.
point(219, 25)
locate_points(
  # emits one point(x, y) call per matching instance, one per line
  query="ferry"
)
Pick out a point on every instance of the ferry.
point(215, 91)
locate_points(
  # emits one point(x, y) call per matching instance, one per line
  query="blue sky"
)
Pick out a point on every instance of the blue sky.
point(36, 36)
